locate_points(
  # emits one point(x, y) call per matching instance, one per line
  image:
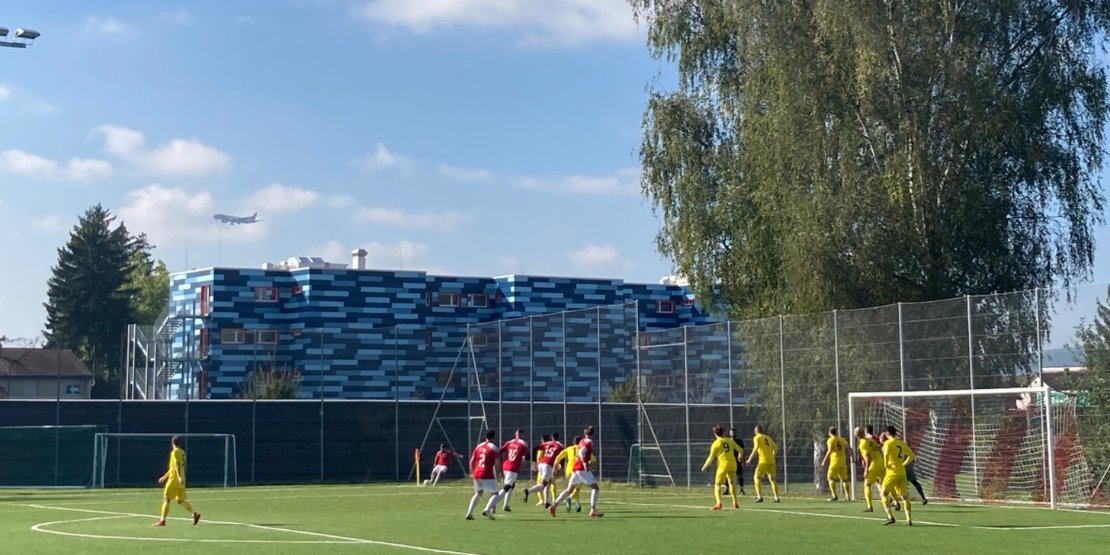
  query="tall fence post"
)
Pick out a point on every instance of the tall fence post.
point(564, 375)
point(639, 397)
point(531, 377)
point(971, 379)
point(901, 366)
point(1037, 319)
point(500, 386)
point(782, 403)
point(600, 461)
point(836, 368)
point(731, 377)
point(686, 399)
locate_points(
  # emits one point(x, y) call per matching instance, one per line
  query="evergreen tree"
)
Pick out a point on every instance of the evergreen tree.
point(150, 281)
point(89, 296)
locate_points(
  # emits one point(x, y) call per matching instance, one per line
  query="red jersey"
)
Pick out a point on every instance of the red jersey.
point(585, 454)
point(551, 449)
point(513, 453)
point(443, 457)
point(483, 460)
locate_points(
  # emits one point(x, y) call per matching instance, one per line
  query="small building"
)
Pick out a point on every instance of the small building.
point(43, 374)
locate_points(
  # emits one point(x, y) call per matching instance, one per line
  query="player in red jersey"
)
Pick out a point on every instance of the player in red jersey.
point(483, 468)
point(582, 474)
point(513, 454)
point(443, 456)
point(546, 469)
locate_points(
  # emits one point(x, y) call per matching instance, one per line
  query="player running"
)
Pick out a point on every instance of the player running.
point(836, 457)
point(513, 453)
point(582, 474)
point(895, 455)
point(724, 450)
point(443, 456)
point(549, 450)
point(483, 468)
point(565, 460)
point(174, 479)
point(765, 447)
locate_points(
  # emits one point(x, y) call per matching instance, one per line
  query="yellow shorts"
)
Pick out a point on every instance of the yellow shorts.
point(724, 475)
point(174, 491)
point(895, 485)
point(839, 472)
point(875, 475)
point(765, 469)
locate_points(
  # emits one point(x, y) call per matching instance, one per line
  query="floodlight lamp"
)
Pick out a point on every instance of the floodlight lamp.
point(3, 31)
point(26, 34)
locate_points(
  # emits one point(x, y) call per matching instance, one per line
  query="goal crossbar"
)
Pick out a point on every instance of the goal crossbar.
point(230, 468)
point(1045, 400)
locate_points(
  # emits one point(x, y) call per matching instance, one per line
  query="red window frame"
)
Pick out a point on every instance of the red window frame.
point(205, 305)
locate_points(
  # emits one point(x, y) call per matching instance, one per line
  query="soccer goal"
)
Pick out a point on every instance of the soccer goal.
point(122, 459)
point(1015, 445)
point(46, 456)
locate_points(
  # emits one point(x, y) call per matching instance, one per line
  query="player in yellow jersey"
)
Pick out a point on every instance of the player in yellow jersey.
point(174, 479)
point(724, 450)
point(836, 457)
point(765, 447)
point(873, 469)
point(896, 454)
point(566, 460)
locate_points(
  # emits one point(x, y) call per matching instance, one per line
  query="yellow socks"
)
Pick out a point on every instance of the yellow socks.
point(717, 493)
point(165, 509)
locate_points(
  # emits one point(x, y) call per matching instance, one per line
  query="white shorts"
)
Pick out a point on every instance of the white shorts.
point(545, 471)
point(439, 469)
point(485, 485)
point(583, 477)
point(510, 478)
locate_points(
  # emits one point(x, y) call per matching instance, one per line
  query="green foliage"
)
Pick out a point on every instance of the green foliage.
point(1094, 419)
point(150, 280)
point(822, 154)
point(271, 384)
point(626, 392)
point(89, 296)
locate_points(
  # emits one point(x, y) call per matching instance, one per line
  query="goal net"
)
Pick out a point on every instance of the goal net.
point(122, 460)
point(46, 456)
point(1018, 445)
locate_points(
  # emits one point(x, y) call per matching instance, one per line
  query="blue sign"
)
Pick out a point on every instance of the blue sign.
point(73, 389)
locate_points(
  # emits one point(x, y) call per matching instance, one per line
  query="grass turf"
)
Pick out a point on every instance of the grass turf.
point(408, 519)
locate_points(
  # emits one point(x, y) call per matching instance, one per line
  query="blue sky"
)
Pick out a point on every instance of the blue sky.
point(476, 137)
point(473, 139)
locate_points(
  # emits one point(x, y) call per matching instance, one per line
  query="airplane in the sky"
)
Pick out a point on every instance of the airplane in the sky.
point(233, 220)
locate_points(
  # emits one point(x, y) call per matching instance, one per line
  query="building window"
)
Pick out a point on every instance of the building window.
point(266, 294)
point(428, 298)
point(266, 337)
point(202, 351)
point(428, 339)
point(664, 307)
point(232, 336)
point(479, 300)
point(478, 340)
point(205, 293)
point(296, 290)
point(448, 299)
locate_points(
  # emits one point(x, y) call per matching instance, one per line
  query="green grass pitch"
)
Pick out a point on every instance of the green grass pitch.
point(393, 518)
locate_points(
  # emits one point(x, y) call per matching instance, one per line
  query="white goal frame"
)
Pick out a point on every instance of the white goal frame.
point(1046, 399)
point(100, 453)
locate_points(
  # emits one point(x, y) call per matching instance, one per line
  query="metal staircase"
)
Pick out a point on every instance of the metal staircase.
point(150, 361)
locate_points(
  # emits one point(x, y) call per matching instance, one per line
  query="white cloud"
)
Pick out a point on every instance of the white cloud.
point(464, 174)
point(51, 223)
point(595, 258)
point(278, 198)
point(26, 164)
point(176, 18)
point(5, 92)
point(395, 217)
point(341, 201)
point(623, 182)
point(405, 254)
point(382, 158)
point(179, 157)
point(171, 215)
point(547, 23)
point(105, 25)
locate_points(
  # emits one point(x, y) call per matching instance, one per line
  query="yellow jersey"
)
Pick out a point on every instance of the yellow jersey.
point(870, 452)
point(566, 457)
point(765, 447)
point(896, 455)
point(176, 472)
point(838, 451)
point(725, 450)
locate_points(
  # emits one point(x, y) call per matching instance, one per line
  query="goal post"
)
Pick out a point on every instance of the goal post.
point(1015, 445)
point(137, 459)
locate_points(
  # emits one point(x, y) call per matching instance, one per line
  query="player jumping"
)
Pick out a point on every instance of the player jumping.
point(724, 450)
point(765, 447)
point(546, 468)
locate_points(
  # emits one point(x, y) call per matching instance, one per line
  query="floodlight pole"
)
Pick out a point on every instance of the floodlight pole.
point(21, 39)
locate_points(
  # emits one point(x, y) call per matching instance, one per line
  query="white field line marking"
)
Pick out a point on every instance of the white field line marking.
point(42, 527)
point(1059, 527)
point(343, 539)
point(1101, 512)
point(780, 511)
point(203, 499)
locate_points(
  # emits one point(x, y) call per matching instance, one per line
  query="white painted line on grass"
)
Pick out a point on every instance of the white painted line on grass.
point(1059, 527)
point(780, 511)
point(334, 537)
